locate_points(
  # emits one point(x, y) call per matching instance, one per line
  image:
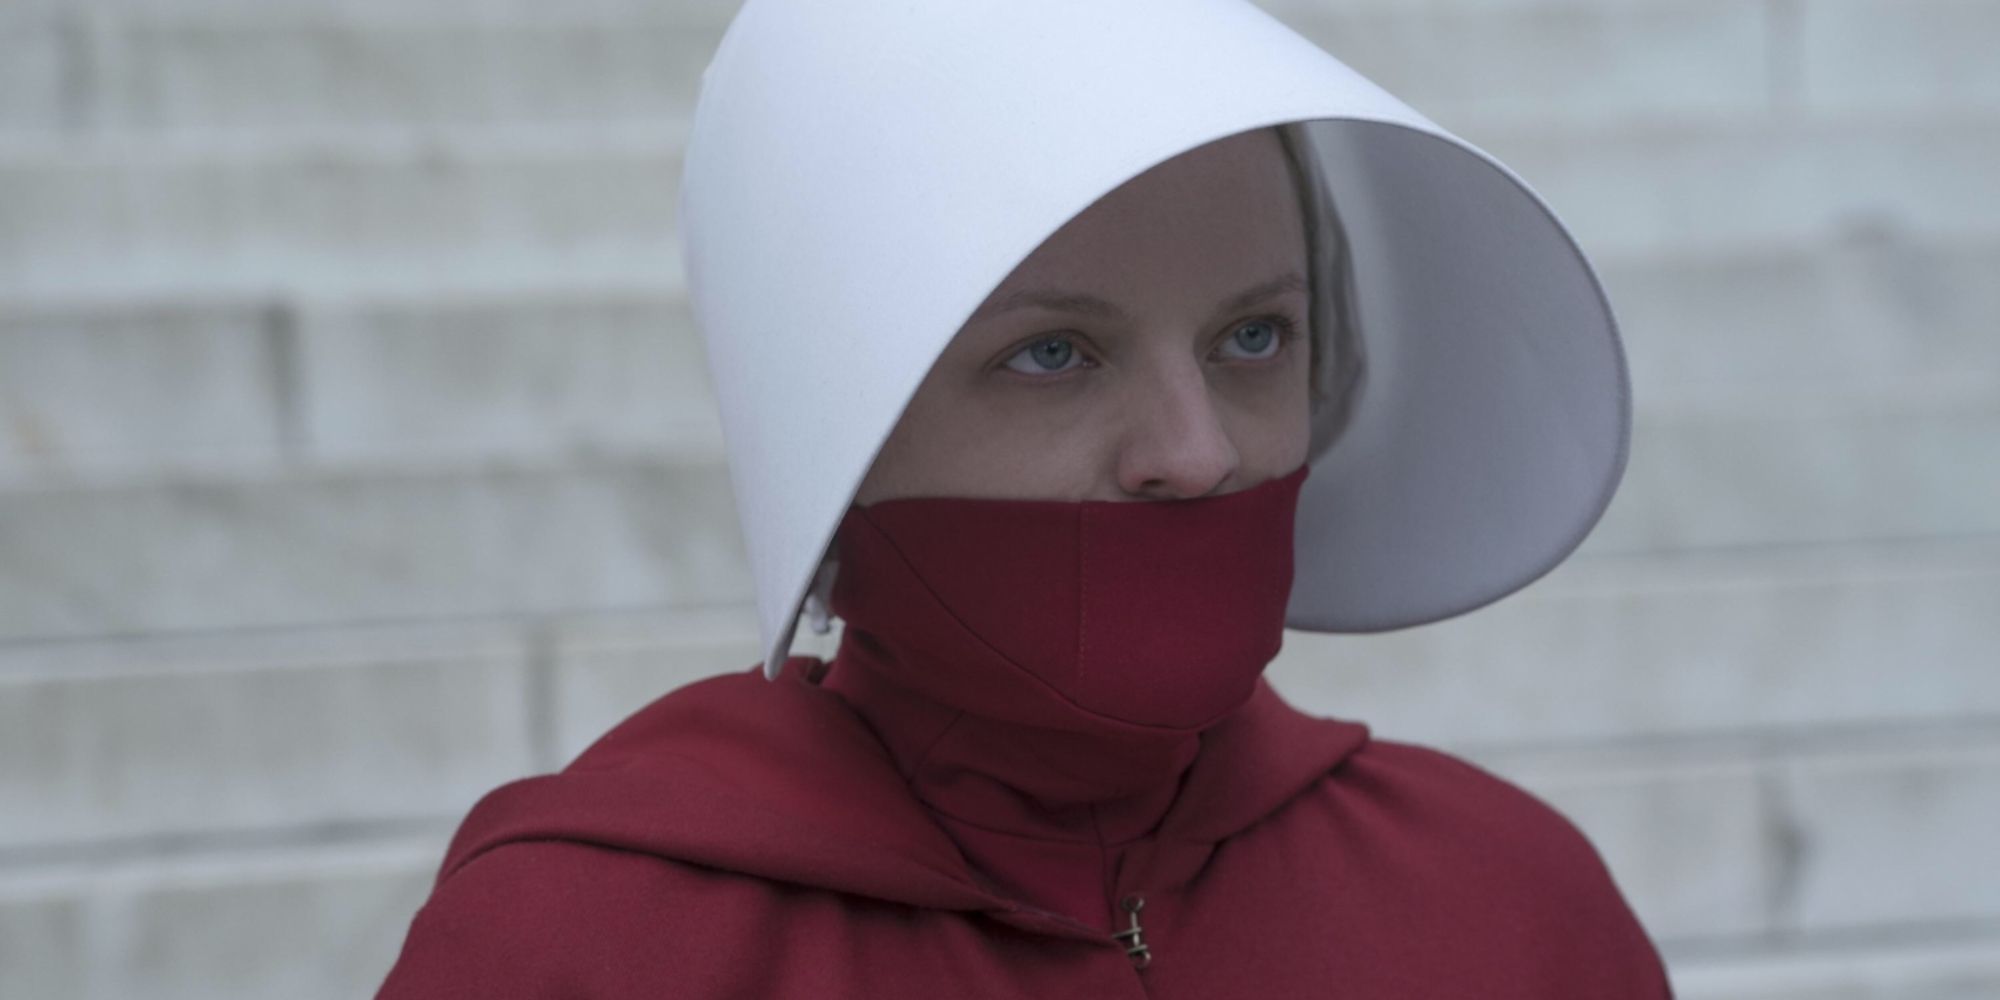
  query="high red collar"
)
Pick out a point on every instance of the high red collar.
point(1046, 669)
point(1084, 787)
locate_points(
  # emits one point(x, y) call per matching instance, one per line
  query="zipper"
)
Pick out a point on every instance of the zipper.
point(1134, 937)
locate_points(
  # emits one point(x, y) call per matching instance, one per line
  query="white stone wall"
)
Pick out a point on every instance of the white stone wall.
point(355, 457)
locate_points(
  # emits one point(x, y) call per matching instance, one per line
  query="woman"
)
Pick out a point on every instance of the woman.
point(1049, 367)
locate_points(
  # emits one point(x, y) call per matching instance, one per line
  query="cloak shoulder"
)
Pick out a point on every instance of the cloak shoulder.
point(1444, 854)
point(560, 918)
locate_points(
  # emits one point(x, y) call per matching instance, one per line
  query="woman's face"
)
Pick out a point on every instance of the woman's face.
point(1154, 348)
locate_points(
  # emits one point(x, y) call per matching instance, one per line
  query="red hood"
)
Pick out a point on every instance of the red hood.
point(784, 781)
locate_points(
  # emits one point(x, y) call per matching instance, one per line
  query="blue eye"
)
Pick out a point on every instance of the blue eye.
point(1051, 354)
point(1257, 339)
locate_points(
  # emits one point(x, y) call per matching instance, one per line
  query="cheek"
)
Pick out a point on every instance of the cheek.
point(1271, 423)
point(1037, 443)
point(1018, 444)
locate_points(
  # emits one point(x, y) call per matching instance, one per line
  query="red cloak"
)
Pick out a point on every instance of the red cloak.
point(745, 838)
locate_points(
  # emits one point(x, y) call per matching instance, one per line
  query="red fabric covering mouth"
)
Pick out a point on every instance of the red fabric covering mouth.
point(1086, 615)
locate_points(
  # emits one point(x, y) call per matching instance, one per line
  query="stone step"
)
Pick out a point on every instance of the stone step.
point(1478, 64)
point(415, 537)
point(596, 376)
point(151, 64)
point(120, 389)
point(1688, 843)
point(607, 667)
point(1639, 189)
point(205, 65)
point(304, 923)
point(329, 546)
point(170, 744)
point(153, 386)
point(128, 747)
point(1789, 824)
point(1694, 646)
point(386, 211)
point(1784, 474)
point(1741, 656)
point(1963, 966)
point(1829, 314)
point(109, 70)
point(33, 60)
point(543, 372)
point(1893, 56)
point(402, 209)
point(1851, 835)
point(286, 67)
point(117, 388)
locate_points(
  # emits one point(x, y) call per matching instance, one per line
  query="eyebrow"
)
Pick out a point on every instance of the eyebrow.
point(1090, 305)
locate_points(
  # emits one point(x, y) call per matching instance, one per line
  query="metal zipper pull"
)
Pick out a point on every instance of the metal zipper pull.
point(1133, 937)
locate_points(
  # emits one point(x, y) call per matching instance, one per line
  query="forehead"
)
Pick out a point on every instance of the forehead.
point(1226, 212)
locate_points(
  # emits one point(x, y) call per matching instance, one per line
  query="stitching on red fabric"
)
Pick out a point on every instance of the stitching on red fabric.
point(932, 746)
point(941, 606)
point(1108, 878)
point(1039, 838)
point(1082, 585)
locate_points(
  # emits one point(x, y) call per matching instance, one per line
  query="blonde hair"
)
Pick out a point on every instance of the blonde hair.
point(1337, 357)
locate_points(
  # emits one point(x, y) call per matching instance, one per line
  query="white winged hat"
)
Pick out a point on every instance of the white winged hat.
point(862, 173)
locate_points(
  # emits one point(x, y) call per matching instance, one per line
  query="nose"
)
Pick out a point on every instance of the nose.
point(1176, 446)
